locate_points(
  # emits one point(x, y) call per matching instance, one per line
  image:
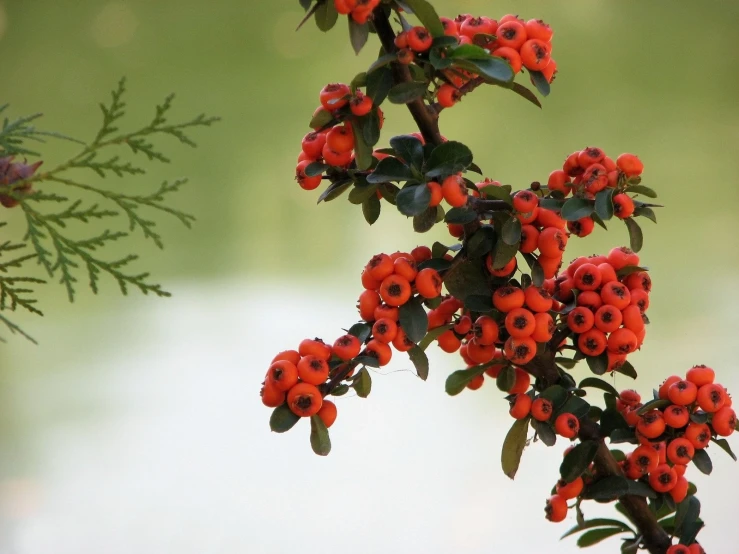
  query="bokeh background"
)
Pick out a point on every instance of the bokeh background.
point(136, 425)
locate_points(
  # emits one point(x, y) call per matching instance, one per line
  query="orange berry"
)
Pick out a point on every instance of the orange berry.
point(360, 105)
point(436, 193)
point(522, 382)
point(582, 227)
point(340, 139)
point(567, 425)
point(334, 96)
point(520, 323)
point(622, 341)
point(480, 353)
point(628, 398)
point(640, 299)
point(699, 434)
point(520, 350)
point(676, 416)
point(380, 351)
point(346, 347)
point(476, 382)
point(590, 299)
point(380, 266)
point(535, 54)
point(537, 299)
point(292, 356)
point(313, 370)
point(630, 165)
point(680, 451)
point(711, 397)
point(589, 156)
point(607, 273)
point(529, 239)
point(666, 384)
point(455, 191)
point(645, 459)
point(449, 342)
point(511, 56)
point(327, 413)
point(552, 242)
point(421, 254)
point(304, 400)
point(556, 509)
point(525, 201)
point(680, 491)
point(571, 490)
point(541, 409)
point(678, 548)
point(384, 311)
point(283, 375)
point(663, 478)
point(724, 421)
point(419, 39)
point(587, 277)
point(511, 34)
point(700, 375)
point(623, 206)
point(633, 319)
point(544, 329)
point(315, 347)
point(592, 342)
point(395, 290)
point(621, 257)
point(682, 393)
point(406, 268)
point(402, 343)
point(651, 425)
point(485, 330)
point(448, 95)
point(520, 406)
point(508, 298)
point(580, 320)
point(305, 182)
point(608, 318)
point(271, 395)
point(385, 330)
point(428, 283)
point(538, 29)
point(616, 294)
point(368, 301)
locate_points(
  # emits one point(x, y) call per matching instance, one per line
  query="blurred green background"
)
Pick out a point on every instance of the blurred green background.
point(265, 267)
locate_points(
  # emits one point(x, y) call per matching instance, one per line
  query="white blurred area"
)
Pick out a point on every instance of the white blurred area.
point(149, 438)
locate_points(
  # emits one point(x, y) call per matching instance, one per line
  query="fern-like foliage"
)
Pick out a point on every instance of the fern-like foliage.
point(53, 219)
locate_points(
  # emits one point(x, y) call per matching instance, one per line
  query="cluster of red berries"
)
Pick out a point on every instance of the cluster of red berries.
point(610, 310)
point(11, 172)
point(390, 281)
point(589, 171)
point(294, 376)
point(359, 10)
point(521, 43)
point(333, 145)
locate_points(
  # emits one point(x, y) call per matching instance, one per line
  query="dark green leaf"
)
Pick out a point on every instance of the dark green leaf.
point(540, 82)
point(369, 361)
point(340, 390)
point(388, 191)
point(379, 83)
point(596, 383)
point(305, 4)
point(497, 193)
point(506, 378)
point(362, 383)
point(427, 15)
point(424, 221)
point(537, 274)
point(467, 51)
point(688, 511)
point(724, 445)
point(326, 16)
point(420, 362)
point(545, 432)
point(576, 406)
point(610, 420)
point(439, 264)
point(360, 80)
point(362, 151)
point(371, 209)
point(636, 238)
point(599, 522)
point(361, 192)
point(371, 128)
point(608, 488)
point(361, 330)
point(282, 419)
point(604, 204)
point(622, 435)
point(466, 278)
point(334, 190)
point(524, 92)
point(638, 488)
point(402, 93)
point(577, 460)
point(448, 158)
point(321, 119)
point(626, 369)
point(699, 417)
point(460, 216)
point(502, 254)
point(390, 169)
point(628, 270)
point(690, 531)
point(319, 439)
point(653, 405)
point(358, 34)
point(645, 211)
point(481, 242)
point(702, 461)
point(433, 334)
point(598, 364)
point(382, 61)
point(566, 363)
point(458, 380)
point(413, 319)
point(409, 149)
point(492, 69)
point(551, 204)
point(475, 168)
point(577, 208)
point(594, 536)
point(511, 233)
point(479, 303)
point(556, 394)
point(413, 200)
point(513, 445)
point(641, 189)
point(314, 169)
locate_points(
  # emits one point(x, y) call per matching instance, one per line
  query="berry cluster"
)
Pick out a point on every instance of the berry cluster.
point(587, 172)
point(521, 43)
point(332, 140)
point(359, 10)
point(11, 172)
point(610, 295)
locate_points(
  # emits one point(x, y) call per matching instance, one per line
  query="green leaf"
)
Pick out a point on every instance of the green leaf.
point(371, 128)
point(305, 4)
point(556, 394)
point(460, 216)
point(724, 445)
point(604, 204)
point(598, 364)
point(334, 190)
point(457, 381)
point(371, 209)
point(403, 93)
point(608, 488)
point(702, 461)
point(433, 334)
point(638, 488)
point(362, 150)
point(359, 80)
point(576, 406)
point(537, 274)
point(565, 362)
point(636, 238)
point(540, 82)
point(498, 193)
point(379, 83)
point(656, 404)
point(390, 169)
point(340, 390)
point(413, 200)
point(598, 522)
point(362, 383)
point(629, 269)
point(688, 511)
point(466, 278)
point(502, 253)
point(314, 169)
point(358, 34)
point(321, 119)
point(362, 191)
point(577, 208)
point(319, 439)
point(427, 15)
point(506, 378)
point(360, 330)
point(369, 361)
point(545, 432)
point(596, 383)
point(513, 445)
point(491, 69)
point(481, 242)
point(326, 16)
point(511, 233)
point(413, 319)
point(641, 189)
point(467, 51)
point(645, 211)
point(282, 419)
point(424, 221)
point(479, 303)
point(409, 149)
point(622, 435)
point(420, 362)
point(690, 531)
point(577, 460)
point(551, 203)
point(382, 61)
point(524, 92)
point(594, 536)
point(626, 369)
point(388, 191)
point(610, 420)
point(448, 158)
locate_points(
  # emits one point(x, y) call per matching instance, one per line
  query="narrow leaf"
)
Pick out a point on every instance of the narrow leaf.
point(420, 362)
point(513, 446)
point(282, 419)
point(636, 238)
point(319, 439)
point(413, 319)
